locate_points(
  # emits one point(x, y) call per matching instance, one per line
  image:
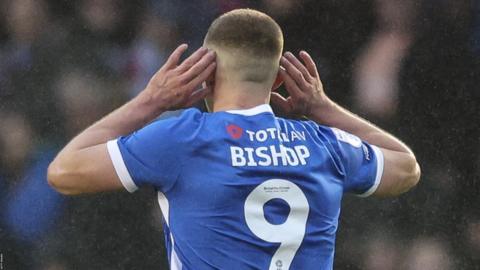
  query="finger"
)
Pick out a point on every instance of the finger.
point(281, 102)
point(200, 78)
point(290, 84)
point(312, 68)
point(299, 65)
point(278, 81)
point(198, 95)
point(174, 58)
point(192, 59)
point(198, 67)
point(294, 73)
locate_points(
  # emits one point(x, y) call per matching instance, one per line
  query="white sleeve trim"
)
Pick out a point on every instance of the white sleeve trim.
point(120, 167)
point(378, 176)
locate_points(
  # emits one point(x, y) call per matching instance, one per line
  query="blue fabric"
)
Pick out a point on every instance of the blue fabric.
point(208, 164)
point(476, 30)
point(33, 207)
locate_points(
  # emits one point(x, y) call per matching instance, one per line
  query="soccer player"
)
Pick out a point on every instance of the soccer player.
point(238, 187)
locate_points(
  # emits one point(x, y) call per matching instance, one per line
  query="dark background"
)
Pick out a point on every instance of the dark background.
point(411, 67)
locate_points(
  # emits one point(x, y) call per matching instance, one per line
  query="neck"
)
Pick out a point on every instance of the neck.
point(239, 96)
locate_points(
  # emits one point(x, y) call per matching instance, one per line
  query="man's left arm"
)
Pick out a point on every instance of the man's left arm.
point(399, 168)
point(84, 165)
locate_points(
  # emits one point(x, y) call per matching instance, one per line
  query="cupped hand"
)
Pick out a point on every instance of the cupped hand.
point(175, 85)
point(303, 85)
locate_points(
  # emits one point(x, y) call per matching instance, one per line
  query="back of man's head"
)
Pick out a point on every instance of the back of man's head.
point(248, 44)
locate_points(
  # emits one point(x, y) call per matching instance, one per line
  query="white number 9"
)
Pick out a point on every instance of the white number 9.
point(289, 234)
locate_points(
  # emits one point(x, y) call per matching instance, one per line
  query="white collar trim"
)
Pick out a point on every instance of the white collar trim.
point(253, 111)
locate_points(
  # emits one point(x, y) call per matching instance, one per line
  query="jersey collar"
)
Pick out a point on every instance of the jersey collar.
point(253, 111)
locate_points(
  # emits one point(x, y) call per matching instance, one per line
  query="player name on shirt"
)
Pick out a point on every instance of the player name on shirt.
point(271, 155)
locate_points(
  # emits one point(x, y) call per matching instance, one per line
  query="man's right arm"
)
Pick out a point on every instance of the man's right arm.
point(85, 164)
point(307, 97)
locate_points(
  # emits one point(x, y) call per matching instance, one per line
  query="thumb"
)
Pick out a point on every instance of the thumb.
point(281, 102)
point(198, 95)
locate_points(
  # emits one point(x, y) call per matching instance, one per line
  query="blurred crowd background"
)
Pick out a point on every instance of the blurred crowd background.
point(410, 66)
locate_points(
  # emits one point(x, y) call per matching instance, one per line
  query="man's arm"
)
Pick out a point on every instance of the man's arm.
point(84, 165)
point(307, 97)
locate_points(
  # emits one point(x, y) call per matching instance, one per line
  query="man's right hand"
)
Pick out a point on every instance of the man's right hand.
point(84, 164)
point(174, 85)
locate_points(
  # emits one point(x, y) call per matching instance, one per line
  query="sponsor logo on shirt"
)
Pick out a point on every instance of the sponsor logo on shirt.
point(347, 138)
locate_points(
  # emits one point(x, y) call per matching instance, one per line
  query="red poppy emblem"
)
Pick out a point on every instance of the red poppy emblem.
point(235, 131)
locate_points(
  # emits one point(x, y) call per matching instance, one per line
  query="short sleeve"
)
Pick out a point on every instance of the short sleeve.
point(362, 162)
point(153, 155)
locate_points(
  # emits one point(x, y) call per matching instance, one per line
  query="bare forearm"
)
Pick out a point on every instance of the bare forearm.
point(172, 87)
point(68, 172)
point(124, 120)
point(307, 97)
point(84, 164)
point(334, 115)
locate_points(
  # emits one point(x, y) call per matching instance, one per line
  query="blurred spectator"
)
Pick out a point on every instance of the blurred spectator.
point(382, 252)
point(282, 9)
point(30, 207)
point(473, 240)
point(83, 97)
point(439, 115)
point(101, 225)
point(377, 71)
point(101, 33)
point(476, 35)
point(428, 253)
point(331, 31)
point(27, 61)
point(156, 38)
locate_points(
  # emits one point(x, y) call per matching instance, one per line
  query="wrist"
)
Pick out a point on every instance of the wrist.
point(145, 102)
point(320, 111)
point(144, 107)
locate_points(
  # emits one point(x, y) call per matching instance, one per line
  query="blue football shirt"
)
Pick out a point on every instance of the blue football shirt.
point(245, 189)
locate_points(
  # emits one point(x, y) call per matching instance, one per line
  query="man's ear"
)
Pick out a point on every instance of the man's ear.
point(278, 82)
point(210, 83)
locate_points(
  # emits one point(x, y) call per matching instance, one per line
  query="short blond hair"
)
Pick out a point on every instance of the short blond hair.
point(252, 38)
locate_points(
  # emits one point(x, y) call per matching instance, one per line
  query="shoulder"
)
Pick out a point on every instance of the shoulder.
point(319, 135)
point(334, 135)
point(187, 120)
point(187, 116)
point(166, 131)
point(316, 131)
point(329, 139)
